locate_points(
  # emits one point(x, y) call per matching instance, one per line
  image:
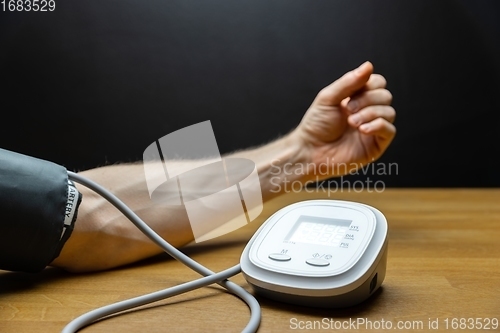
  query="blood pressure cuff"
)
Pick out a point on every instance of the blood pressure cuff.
point(38, 206)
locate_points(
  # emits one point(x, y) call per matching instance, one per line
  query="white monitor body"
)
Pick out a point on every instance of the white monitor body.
point(321, 253)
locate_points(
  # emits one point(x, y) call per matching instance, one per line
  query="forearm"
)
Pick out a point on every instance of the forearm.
point(283, 161)
point(104, 238)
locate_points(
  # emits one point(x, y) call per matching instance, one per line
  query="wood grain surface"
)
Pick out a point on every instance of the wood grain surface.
point(443, 275)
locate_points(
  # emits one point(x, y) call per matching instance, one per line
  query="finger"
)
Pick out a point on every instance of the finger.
point(376, 81)
point(380, 128)
point(345, 86)
point(382, 132)
point(371, 113)
point(367, 98)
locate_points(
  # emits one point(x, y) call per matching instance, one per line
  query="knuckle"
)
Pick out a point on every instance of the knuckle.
point(378, 81)
point(323, 93)
point(388, 95)
point(392, 113)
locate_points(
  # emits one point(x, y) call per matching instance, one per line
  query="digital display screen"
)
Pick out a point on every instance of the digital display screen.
point(319, 230)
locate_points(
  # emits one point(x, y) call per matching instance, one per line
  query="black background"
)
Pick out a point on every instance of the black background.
point(96, 81)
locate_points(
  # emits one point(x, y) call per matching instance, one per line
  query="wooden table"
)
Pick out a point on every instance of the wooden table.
point(443, 269)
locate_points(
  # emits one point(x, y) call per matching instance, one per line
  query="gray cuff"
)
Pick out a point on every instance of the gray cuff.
point(38, 209)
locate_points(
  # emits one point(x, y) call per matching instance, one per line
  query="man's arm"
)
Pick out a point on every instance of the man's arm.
point(349, 122)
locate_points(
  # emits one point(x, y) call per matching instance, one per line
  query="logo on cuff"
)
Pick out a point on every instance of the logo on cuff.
point(71, 207)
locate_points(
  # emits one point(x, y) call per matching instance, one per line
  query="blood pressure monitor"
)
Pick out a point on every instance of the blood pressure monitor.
point(322, 253)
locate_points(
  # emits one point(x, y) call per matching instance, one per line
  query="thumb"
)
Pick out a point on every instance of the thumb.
point(345, 86)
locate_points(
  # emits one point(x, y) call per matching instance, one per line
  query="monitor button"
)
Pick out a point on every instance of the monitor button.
point(279, 257)
point(317, 262)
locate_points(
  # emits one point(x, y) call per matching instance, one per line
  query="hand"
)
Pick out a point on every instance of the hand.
point(349, 123)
